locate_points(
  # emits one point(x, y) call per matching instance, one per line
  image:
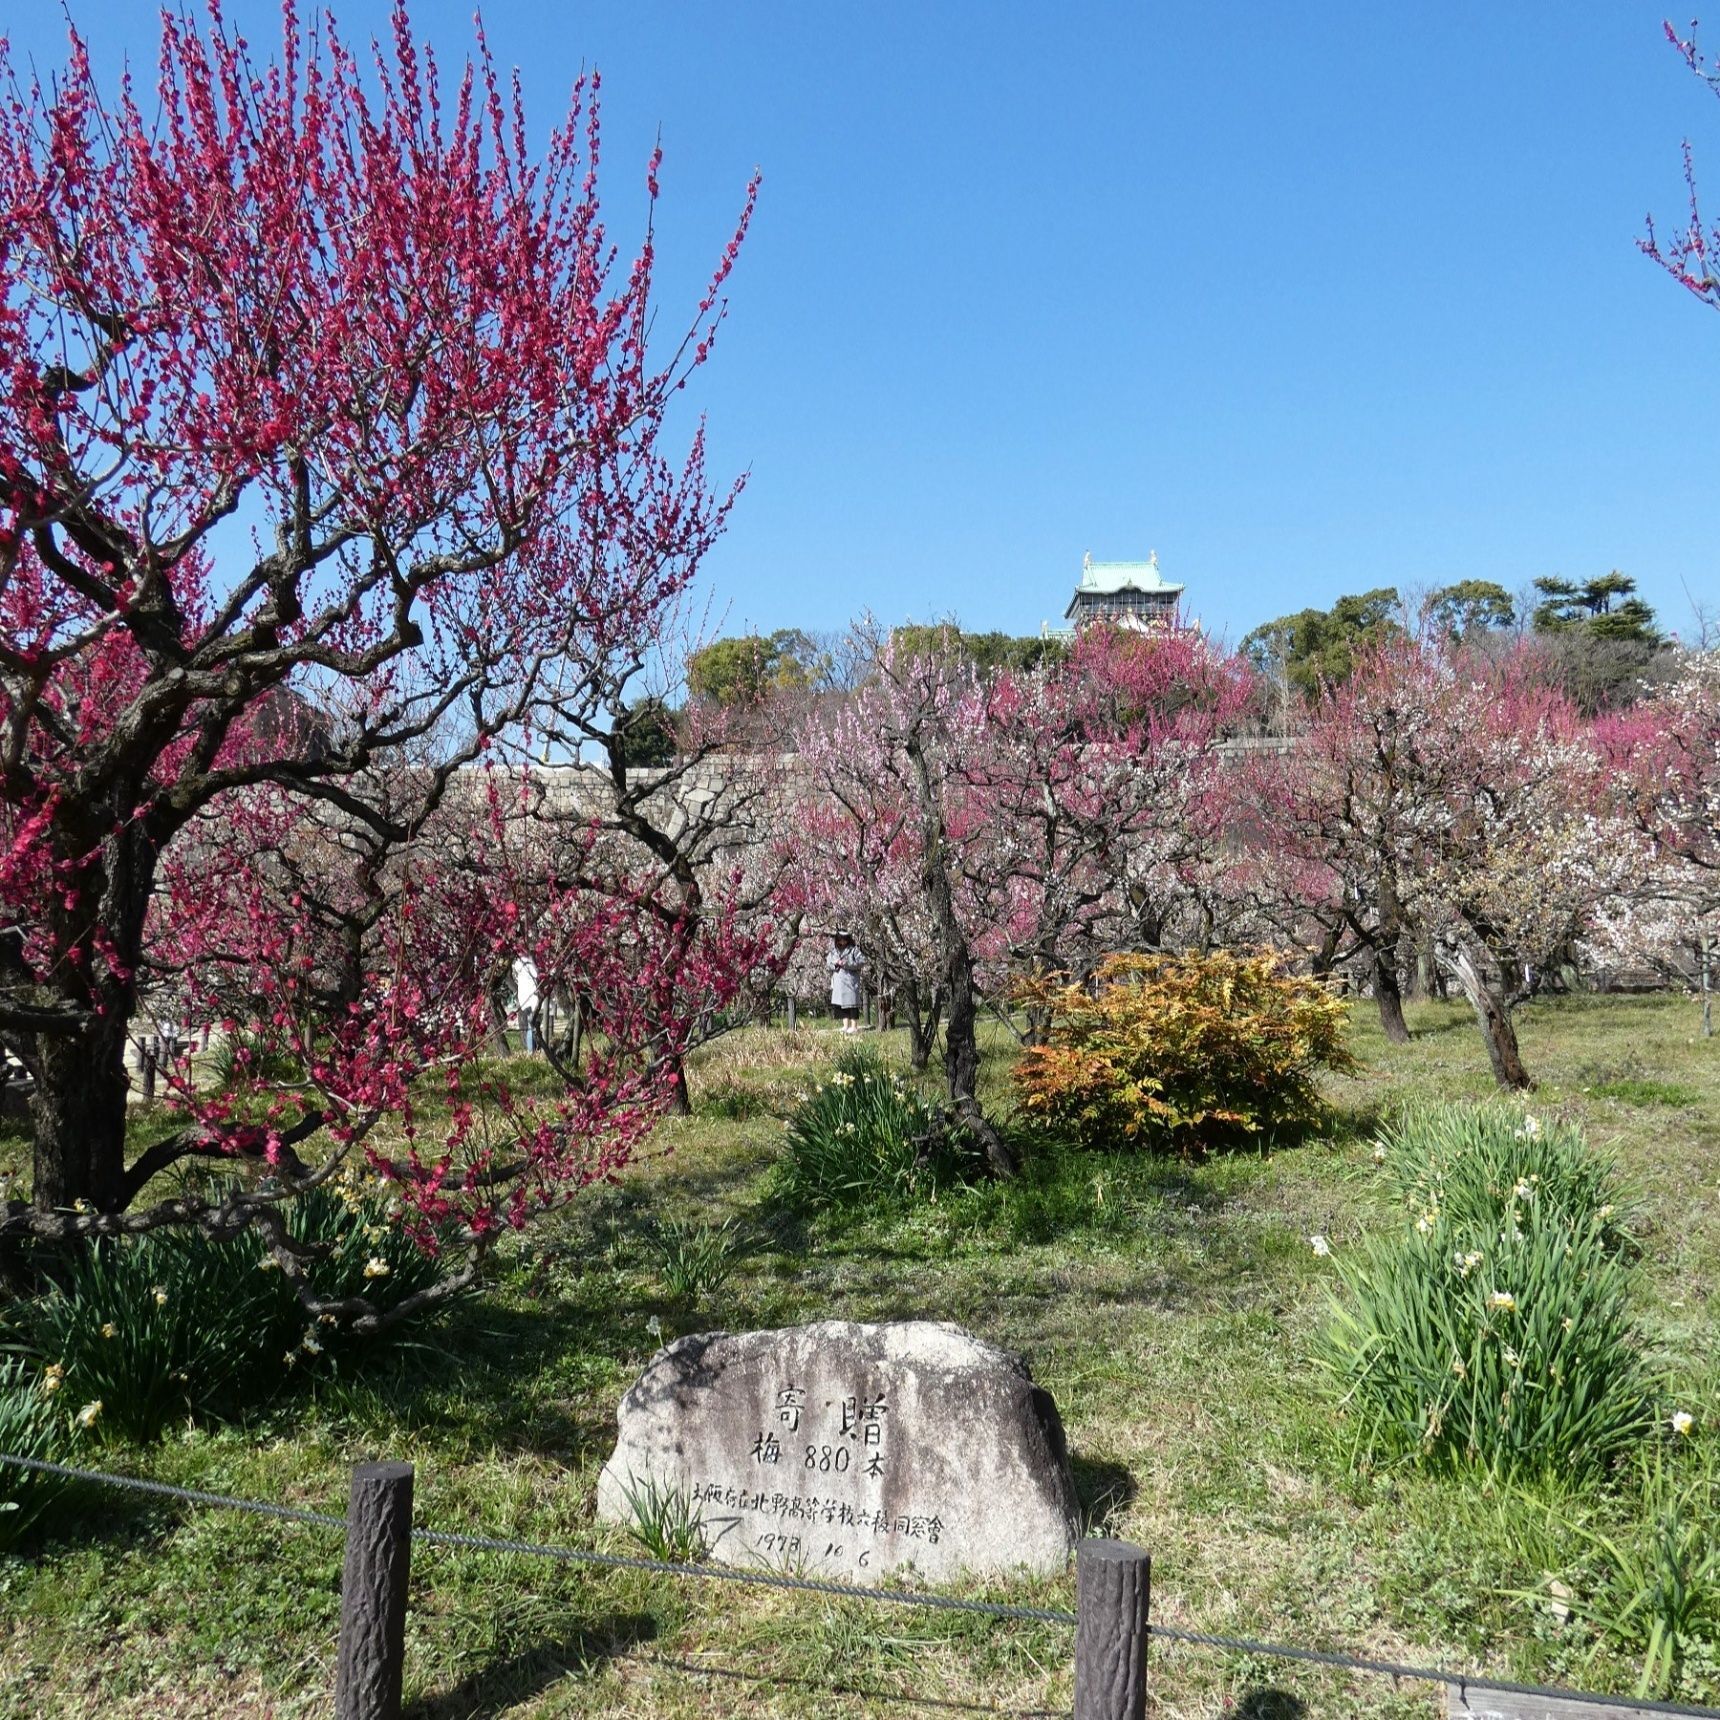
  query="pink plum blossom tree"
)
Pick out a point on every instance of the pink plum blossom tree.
point(1665, 757)
point(338, 303)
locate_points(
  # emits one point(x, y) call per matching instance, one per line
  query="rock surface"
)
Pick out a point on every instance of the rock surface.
point(851, 1451)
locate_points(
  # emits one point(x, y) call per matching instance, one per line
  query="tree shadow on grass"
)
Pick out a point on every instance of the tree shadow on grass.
point(627, 1207)
point(837, 1687)
point(1432, 1026)
point(1348, 1124)
point(463, 1376)
point(87, 1514)
point(532, 1669)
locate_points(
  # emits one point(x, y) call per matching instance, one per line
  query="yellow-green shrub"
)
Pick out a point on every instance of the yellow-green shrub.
point(1179, 1053)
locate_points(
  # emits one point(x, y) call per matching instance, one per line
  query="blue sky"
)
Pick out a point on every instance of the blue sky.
point(1308, 298)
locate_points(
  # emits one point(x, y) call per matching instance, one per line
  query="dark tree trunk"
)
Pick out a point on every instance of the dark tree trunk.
point(680, 1100)
point(499, 1044)
point(1493, 1014)
point(922, 1022)
point(961, 1059)
point(1149, 926)
point(1038, 1014)
point(78, 1110)
point(1388, 995)
point(1433, 975)
point(961, 1044)
point(78, 1114)
point(919, 1045)
point(1325, 958)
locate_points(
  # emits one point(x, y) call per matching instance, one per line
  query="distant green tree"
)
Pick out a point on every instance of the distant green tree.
point(648, 734)
point(987, 652)
point(1599, 640)
point(1604, 608)
point(746, 670)
point(1318, 647)
point(1469, 608)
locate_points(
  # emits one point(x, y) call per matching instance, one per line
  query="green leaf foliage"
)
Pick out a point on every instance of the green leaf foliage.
point(32, 1424)
point(986, 652)
point(695, 1260)
point(1604, 608)
point(1470, 608)
point(1655, 1588)
point(646, 735)
point(747, 670)
point(1319, 647)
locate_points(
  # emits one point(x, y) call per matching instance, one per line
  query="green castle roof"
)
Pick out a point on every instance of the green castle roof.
point(1104, 578)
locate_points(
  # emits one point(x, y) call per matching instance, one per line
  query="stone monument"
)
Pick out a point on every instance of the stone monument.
point(850, 1451)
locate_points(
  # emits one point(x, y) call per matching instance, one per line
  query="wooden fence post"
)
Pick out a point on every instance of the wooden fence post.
point(791, 1020)
point(1112, 1580)
point(373, 1593)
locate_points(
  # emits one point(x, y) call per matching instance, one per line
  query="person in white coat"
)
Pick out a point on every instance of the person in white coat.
point(526, 997)
point(846, 964)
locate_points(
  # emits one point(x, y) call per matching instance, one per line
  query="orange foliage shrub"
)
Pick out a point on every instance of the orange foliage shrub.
point(1178, 1053)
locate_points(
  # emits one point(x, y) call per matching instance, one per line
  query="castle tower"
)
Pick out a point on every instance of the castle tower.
point(1124, 594)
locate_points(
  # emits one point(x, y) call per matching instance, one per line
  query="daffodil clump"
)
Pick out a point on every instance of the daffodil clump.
point(867, 1134)
point(1484, 1166)
point(1494, 1328)
point(142, 1332)
point(32, 1424)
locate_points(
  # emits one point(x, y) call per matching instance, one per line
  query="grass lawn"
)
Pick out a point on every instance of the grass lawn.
point(1168, 1308)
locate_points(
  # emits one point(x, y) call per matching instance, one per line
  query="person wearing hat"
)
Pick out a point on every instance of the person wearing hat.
point(846, 964)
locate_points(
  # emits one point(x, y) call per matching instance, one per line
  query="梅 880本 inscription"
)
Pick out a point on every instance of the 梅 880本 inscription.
point(858, 1441)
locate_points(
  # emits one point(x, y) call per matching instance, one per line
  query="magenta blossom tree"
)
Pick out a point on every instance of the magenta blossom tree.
point(890, 768)
point(1095, 793)
point(1338, 812)
point(338, 303)
point(1480, 812)
point(689, 843)
point(855, 861)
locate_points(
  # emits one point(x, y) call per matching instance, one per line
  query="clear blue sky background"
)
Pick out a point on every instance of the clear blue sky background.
point(1308, 297)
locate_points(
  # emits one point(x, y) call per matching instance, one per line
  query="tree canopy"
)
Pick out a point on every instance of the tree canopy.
point(1319, 647)
point(1470, 607)
point(984, 652)
point(1599, 642)
point(747, 669)
point(1603, 608)
point(337, 296)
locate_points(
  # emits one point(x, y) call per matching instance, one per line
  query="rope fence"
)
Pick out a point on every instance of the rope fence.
point(1110, 1620)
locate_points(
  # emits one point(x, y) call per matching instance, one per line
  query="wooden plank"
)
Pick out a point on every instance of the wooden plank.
point(1477, 1702)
